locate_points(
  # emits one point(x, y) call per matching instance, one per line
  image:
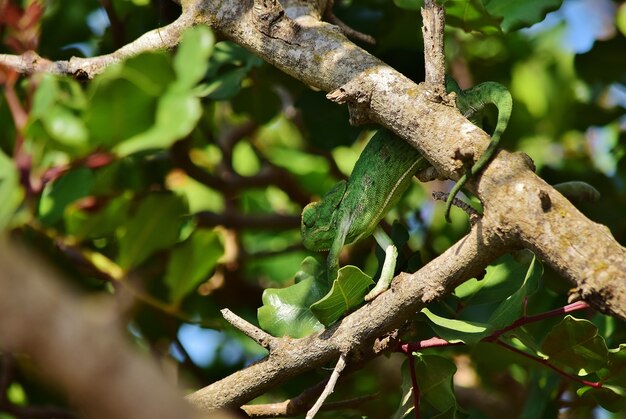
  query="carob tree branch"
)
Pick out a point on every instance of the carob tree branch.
point(79, 346)
point(520, 209)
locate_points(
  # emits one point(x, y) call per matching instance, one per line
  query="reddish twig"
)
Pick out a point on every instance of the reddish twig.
point(542, 361)
point(415, 387)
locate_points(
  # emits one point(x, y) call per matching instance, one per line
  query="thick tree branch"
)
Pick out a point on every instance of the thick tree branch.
point(357, 333)
point(520, 209)
point(78, 344)
point(582, 251)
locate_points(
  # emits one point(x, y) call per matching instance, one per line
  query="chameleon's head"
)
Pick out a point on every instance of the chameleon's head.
point(319, 219)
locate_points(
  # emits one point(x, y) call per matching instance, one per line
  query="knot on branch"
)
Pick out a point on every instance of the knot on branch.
point(358, 97)
point(270, 19)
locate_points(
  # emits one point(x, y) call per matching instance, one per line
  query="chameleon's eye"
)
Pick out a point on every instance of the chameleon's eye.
point(309, 215)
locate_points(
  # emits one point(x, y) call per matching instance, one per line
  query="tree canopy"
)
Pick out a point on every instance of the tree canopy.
point(155, 159)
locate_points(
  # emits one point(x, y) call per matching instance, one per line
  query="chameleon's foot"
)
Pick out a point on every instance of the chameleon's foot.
point(389, 265)
point(378, 289)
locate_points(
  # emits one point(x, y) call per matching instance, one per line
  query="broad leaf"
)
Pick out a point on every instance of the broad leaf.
point(490, 16)
point(610, 397)
point(516, 14)
point(286, 312)
point(192, 261)
point(59, 194)
point(511, 309)
point(575, 343)
point(87, 224)
point(407, 405)
point(191, 60)
point(66, 128)
point(346, 293)
point(434, 378)
point(503, 278)
point(470, 15)
point(454, 330)
point(155, 225)
point(177, 115)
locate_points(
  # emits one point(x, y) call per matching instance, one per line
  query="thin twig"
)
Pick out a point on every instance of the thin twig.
point(471, 212)
point(330, 387)
point(259, 336)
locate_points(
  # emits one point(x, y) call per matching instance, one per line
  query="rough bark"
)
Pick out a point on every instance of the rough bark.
point(520, 209)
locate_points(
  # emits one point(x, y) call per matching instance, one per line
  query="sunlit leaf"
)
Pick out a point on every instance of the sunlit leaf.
point(65, 127)
point(191, 60)
point(511, 309)
point(503, 277)
point(346, 293)
point(454, 330)
point(286, 312)
point(177, 115)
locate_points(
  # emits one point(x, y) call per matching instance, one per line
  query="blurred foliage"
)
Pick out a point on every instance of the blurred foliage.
point(181, 176)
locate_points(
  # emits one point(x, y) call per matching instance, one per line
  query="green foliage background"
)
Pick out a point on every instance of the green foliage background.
point(180, 177)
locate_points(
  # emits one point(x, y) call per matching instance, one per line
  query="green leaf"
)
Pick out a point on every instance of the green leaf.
point(615, 372)
point(511, 309)
point(310, 268)
point(471, 15)
point(45, 97)
point(155, 225)
point(540, 398)
point(245, 160)
point(11, 194)
point(434, 378)
point(454, 330)
point(177, 115)
point(574, 343)
point(192, 261)
point(119, 109)
point(87, 224)
point(407, 405)
point(503, 278)
point(346, 293)
point(225, 86)
point(518, 14)
point(57, 195)
point(191, 60)
point(286, 312)
point(489, 16)
point(610, 397)
point(65, 127)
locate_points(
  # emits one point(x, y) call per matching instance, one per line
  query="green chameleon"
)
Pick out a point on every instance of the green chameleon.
point(352, 209)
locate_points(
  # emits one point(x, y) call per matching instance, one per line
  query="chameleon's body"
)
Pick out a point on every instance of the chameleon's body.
point(352, 210)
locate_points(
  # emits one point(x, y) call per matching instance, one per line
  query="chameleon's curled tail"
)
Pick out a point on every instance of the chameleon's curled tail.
point(471, 103)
